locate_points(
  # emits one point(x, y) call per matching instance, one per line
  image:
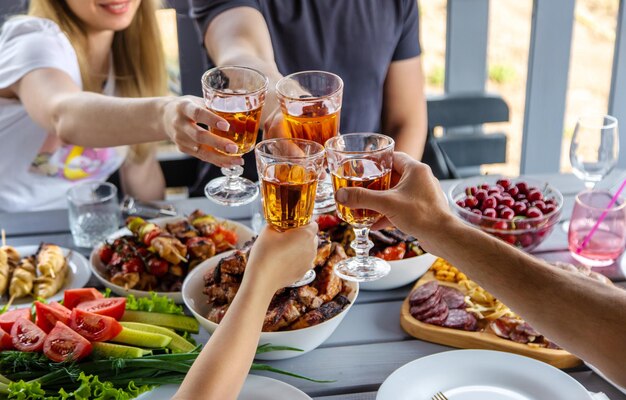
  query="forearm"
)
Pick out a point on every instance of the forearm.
point(582, 315)
point(223, 364)
point(93, 120)
point(410, 138)
point(143, 180)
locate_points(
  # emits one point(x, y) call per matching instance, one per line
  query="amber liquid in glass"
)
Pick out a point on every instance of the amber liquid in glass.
point(288, 195)
point(244, 126)
point(363, 173)
point(313, 123)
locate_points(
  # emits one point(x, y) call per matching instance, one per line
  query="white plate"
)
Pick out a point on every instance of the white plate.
point(77, 276)
point(597, 371)
point(480, 375)
point(402, 273)
point(243, 234)
point(255, 388)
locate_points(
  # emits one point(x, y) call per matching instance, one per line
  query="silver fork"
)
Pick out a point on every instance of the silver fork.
point(439, 396)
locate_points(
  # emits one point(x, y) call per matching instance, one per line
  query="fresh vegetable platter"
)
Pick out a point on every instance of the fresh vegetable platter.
point(92, 346)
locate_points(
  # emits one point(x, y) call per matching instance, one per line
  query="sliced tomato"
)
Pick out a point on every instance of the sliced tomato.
point(47, 315)
point(8, 318)
point(73, 297)
point(94, 327)
point(112, 307)
point(147, 239)
point(5, 340)
point(27, 336)
point(392, 253)
point(105, 254)
point(327, 221)
point(62, 344)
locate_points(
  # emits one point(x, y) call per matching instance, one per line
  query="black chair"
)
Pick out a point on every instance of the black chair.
point(455, 150)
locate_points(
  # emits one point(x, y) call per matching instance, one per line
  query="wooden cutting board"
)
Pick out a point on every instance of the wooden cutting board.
point(477, 340)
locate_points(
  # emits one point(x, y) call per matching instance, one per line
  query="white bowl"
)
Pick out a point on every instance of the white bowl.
point(402, 273)
point(305, 339)
point(243, 235)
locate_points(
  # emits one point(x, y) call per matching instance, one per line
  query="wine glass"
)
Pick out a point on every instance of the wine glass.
point(289, 170)
point(595, 148)
point(236, 94)
point(360, 160)
point(310, 102)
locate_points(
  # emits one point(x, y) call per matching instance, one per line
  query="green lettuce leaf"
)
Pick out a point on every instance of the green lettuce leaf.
point(154, 303)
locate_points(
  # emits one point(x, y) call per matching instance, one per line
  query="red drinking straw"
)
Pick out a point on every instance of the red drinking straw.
point(602, 216)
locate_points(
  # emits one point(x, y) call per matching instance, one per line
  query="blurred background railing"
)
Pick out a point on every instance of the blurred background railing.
point(529, 66)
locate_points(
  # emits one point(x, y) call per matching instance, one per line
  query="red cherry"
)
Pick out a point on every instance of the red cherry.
point(549, 208)
point(513, 191)
point(485, 186)
point(471, 201)
point(501, 226)
point(533, 212)
point(471, 190)
point(522, 187)
point(500, 207)
point(526, 240)
point(550, 201)
point(461, 203)
point(481, 194)
point(519, 208)
point(507, 213)
point(498, 197)
point(489, 213)
point(540, 205)
point(489, 202)
point(505, 183)
point(507, 201)
point(520, 197)
point(534, 195)
point(477, 212)
point(493, 191)
point(510, 239)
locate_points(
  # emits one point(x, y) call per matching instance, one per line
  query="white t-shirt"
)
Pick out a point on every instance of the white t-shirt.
point(36, 168)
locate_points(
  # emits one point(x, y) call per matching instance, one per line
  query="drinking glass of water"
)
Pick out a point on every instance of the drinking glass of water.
point(94, 212)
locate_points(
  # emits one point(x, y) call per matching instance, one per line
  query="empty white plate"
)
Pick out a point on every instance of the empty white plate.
point(480, 375)
point(255, 388)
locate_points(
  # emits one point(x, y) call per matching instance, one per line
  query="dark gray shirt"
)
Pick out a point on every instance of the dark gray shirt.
point(355, 39)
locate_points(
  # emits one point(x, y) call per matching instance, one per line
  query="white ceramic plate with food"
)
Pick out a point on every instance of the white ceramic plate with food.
point(402, 273)
point(255, 388)
point(305, 339)
point(78, 274)
point(479, 375)
point(244, 234)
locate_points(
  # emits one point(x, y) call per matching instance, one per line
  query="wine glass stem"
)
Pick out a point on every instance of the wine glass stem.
point(231, 174)
point(361, 243)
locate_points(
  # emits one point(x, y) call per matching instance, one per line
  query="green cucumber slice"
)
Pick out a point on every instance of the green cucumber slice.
point(176, 322)
point(106, 350)
point(142, 339)
point(178, 343)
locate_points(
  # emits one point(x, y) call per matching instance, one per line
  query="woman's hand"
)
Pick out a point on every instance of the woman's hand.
point(181, 116)
point(416, 204)
point(278, 259)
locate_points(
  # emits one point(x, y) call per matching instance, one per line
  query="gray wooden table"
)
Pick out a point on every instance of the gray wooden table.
point(369, 344)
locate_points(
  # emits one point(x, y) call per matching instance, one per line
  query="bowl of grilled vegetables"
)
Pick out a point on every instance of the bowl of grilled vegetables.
point(156, 255)
point(41, 271)
point(407, 259)
point(302, 317)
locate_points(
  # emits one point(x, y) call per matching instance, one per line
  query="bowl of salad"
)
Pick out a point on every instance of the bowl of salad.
point(407, 259)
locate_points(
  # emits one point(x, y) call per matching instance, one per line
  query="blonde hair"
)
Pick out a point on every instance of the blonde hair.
point(138, 58)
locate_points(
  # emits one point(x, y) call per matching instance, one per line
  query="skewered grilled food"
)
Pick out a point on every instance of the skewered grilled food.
point(156, 258)
point(50, 260)
point(291, 308)
point(164, 244)
point(13, 255)
point(23, 278)
point(4, 271)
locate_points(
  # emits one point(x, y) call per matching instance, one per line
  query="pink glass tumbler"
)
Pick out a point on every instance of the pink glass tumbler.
point(608, 242)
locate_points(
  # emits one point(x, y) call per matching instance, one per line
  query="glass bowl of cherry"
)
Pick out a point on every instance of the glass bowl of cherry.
point(520, 212)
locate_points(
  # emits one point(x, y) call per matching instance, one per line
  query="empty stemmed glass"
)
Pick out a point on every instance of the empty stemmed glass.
point(360, 160)
point(289, 170)
point(595, 148)
point(236, 94)
point(310, 102)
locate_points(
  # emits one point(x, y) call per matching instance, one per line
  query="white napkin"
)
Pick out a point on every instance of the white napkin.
point(599, 396)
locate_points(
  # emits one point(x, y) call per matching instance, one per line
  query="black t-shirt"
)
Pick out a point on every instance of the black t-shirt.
point(355, 39)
